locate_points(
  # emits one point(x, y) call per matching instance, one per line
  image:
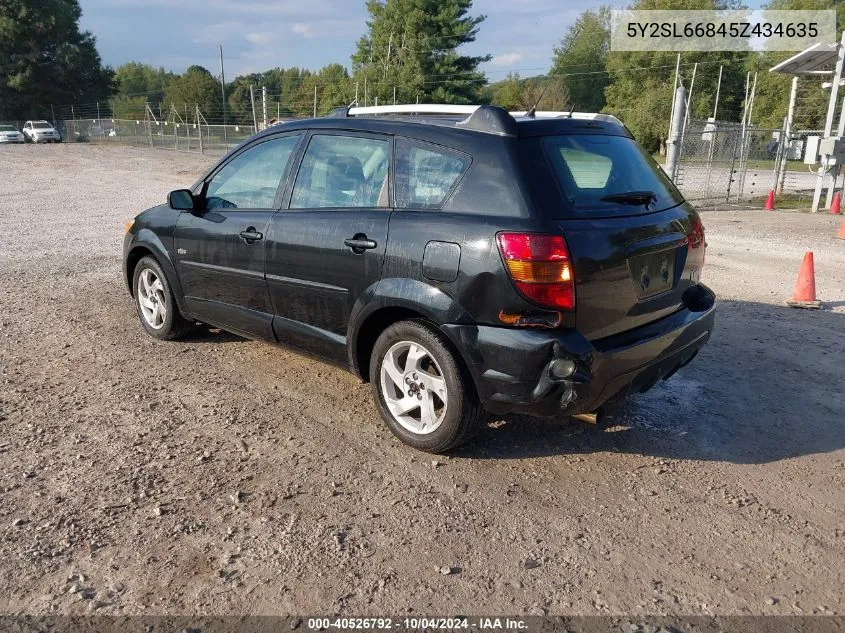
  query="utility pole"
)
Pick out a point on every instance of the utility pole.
point(718, 89)
point(199, 128)
point(828, 127)
point(786, 143)
point(223, 93)
point(394, 95)
point(689, 102)
point(673, 146)
point(264, 104)
point(252, 101)
point(315, 101)
point(356, 93)
point(674, 93)
point(387, 59)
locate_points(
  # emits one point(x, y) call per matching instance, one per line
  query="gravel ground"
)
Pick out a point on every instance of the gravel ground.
point(222, 476)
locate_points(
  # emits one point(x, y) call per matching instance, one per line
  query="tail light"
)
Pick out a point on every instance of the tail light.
point(696, 236)
point(540, 267)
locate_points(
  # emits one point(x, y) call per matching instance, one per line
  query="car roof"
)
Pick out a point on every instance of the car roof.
point(485, 119)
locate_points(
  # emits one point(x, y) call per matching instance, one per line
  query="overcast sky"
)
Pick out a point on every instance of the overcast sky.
point(260, 34)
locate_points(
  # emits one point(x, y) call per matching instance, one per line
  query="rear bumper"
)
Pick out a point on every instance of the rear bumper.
point(511, 367)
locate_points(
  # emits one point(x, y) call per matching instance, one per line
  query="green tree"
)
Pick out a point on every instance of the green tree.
point(515, 93)
point(412, 45)
point(238, 98)
point(45, 58)
point(196, 87)
point(128, 107)
point(639, 89)
point(582, 55)
point(134, 79)
point(334, 88)
point(136, 85)
point(508, 92)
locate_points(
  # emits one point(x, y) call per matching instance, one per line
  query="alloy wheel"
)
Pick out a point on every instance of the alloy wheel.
point(414, 387)
point(152, 298)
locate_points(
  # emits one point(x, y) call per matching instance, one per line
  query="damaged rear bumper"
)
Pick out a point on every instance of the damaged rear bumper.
point(514, 369)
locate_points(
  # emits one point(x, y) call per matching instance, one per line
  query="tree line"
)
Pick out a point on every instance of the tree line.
point(409, 52)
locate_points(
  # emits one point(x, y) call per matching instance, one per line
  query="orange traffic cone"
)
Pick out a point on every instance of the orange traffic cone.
point(804, 295)
point(770, 201)
point(841, 234)
point(835, 207)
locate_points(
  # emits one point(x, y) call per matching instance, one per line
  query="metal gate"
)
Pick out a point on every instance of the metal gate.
point(725, 163)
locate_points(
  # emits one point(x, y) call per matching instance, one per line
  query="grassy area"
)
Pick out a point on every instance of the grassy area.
point(787, 202)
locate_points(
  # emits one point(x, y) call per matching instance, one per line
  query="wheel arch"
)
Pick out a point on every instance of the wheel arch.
point(148, 244)
point(394, 300)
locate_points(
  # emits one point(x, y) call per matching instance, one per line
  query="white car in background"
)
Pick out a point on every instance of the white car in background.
point(41, 132)
point(10, 134)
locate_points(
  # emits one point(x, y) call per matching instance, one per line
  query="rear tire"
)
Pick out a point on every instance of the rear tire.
point(155, 302)
point(421, 390)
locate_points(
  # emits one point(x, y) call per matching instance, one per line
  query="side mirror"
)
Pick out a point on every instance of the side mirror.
point(181, 200)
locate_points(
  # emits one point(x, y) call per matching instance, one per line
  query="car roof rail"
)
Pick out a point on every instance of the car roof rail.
point(558, 114)
point(482, 118)
point(414, 108)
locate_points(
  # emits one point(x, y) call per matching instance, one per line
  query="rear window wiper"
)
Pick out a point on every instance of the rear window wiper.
point(631, 197)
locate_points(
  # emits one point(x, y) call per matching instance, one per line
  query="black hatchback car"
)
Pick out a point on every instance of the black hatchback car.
point(461, 259)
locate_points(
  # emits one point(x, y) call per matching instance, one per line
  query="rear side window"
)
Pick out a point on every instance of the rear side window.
point(596, 171)
point(426, 174)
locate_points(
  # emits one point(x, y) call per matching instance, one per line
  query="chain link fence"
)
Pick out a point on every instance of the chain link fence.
point(200, 138)
point(725, 164)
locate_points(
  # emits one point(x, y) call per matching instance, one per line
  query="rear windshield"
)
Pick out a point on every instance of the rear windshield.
point(596, 171)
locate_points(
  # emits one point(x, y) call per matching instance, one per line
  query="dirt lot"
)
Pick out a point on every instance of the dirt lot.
point(222, 476)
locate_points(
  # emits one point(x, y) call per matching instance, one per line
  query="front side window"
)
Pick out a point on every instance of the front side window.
point(251, 179)
point(343, 171)
point(426, 173)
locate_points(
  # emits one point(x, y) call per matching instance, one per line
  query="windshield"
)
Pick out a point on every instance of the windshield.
point(8, 128)
point(41, 125)
point(598, 172)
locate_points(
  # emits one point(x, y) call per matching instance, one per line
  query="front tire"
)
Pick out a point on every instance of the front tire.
point(155, 303)
point(421, 390)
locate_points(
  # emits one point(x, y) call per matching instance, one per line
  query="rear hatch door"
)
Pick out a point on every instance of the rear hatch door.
point(629, 271)
point(629, 232)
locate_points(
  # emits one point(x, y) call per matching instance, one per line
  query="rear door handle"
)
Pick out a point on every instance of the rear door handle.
point(360, 243)
point(250, 236)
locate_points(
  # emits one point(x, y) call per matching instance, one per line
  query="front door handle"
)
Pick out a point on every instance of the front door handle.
point(360, 243)
point(251, 236)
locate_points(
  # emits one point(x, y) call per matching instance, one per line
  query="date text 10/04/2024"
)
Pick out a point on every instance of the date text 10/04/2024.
point(418, 623)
